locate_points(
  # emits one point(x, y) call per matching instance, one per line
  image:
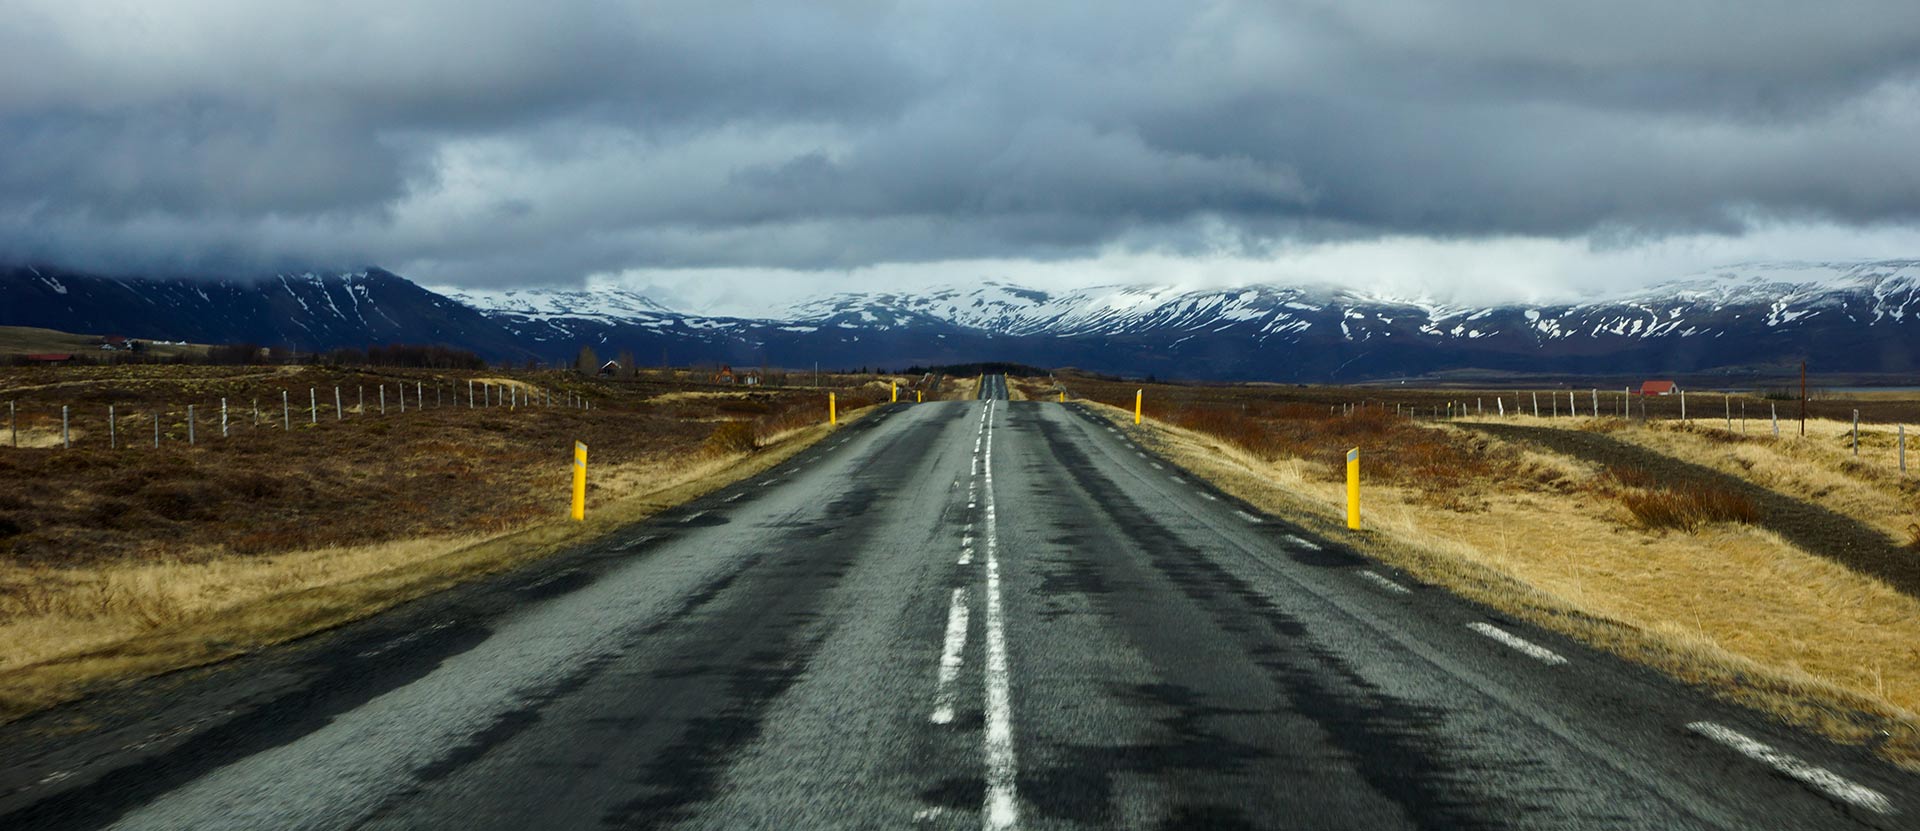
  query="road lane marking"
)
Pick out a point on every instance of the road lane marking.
point(1140, 454)
point(951, 656)
point(1814, 776)
point(734, 498)
point(1518, 644)
point(1177, 480)
point(692, 516)
point(549, 579)
point(1384, 583)
point(1157, 466)
point(1246, 516)
point(403, 640)
point(1210, 497)
point(1306, 544)
point(1002, 810)
point(632, 544)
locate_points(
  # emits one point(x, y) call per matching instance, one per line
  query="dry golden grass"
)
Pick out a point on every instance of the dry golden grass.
point(65, 630)
point(1731, 608)
point(696, 395)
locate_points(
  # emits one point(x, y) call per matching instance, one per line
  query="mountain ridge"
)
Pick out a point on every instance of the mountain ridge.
point(1847, 316)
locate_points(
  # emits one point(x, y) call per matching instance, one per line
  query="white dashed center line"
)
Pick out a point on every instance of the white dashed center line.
point(1818, 778)
point(951, 656)
point(1306, 544)
point(1518, 644)
point(1157, 466)
point(734, 498)
point(1210, 497)
point(693, 516)
point(1246, 516)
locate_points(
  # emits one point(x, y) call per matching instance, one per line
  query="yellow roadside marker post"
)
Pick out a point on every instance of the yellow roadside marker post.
point(896, 392)
point(833, 409)
point(919, 396)
point(579, 481)
point(1353, 489)
point(1138, 395)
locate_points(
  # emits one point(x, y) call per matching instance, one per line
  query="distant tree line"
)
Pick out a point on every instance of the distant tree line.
point(984, 368)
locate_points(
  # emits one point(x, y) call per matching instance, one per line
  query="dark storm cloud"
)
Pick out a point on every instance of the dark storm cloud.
point(515, 142)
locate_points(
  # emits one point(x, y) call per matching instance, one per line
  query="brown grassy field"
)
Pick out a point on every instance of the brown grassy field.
point(1683, 545)
point(123, 561)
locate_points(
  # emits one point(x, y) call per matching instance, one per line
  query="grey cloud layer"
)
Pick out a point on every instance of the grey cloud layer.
point(495, 142)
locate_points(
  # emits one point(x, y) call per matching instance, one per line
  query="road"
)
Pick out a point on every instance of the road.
point(979, 614)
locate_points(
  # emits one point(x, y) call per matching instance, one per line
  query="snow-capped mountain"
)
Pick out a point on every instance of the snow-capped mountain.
point(1857, 317)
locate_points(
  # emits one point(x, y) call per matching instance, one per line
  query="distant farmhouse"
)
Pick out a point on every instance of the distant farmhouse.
point(1658, 388)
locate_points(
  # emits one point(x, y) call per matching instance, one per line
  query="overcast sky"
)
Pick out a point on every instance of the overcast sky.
point(1489, 148)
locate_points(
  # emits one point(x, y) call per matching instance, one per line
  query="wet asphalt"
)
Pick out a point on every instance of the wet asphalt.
point(949, 615)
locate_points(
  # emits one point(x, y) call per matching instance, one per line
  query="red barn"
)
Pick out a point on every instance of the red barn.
point(1658, 388)
point(50, 358)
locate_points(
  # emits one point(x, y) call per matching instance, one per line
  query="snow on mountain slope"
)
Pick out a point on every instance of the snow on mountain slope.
point(1705, 304)
point(598, 303)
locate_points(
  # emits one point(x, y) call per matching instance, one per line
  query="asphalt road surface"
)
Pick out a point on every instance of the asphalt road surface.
point(975, 614)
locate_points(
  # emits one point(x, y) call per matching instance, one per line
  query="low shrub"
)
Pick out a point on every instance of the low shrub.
point(1689, 506)
point(733, 437)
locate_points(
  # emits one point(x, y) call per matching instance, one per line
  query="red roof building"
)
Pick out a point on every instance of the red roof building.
point(1658, 388)
point(51, 357)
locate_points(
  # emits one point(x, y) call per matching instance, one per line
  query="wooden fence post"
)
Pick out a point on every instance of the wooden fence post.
point(1726, 401)
point(190, 441)
point(1683, 405)
point(1773, 410)
point(223, 418)
point(339, 412)
point(313, 406)
point(1903, 449)
point(13, 426)
point(1536, 405)
point(156, 431)
point(113, 431)
point(286, 413)
point(401, 390)
point(383, 399)
point(1856, 432)
point(1502, 404)
point(66, 441)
